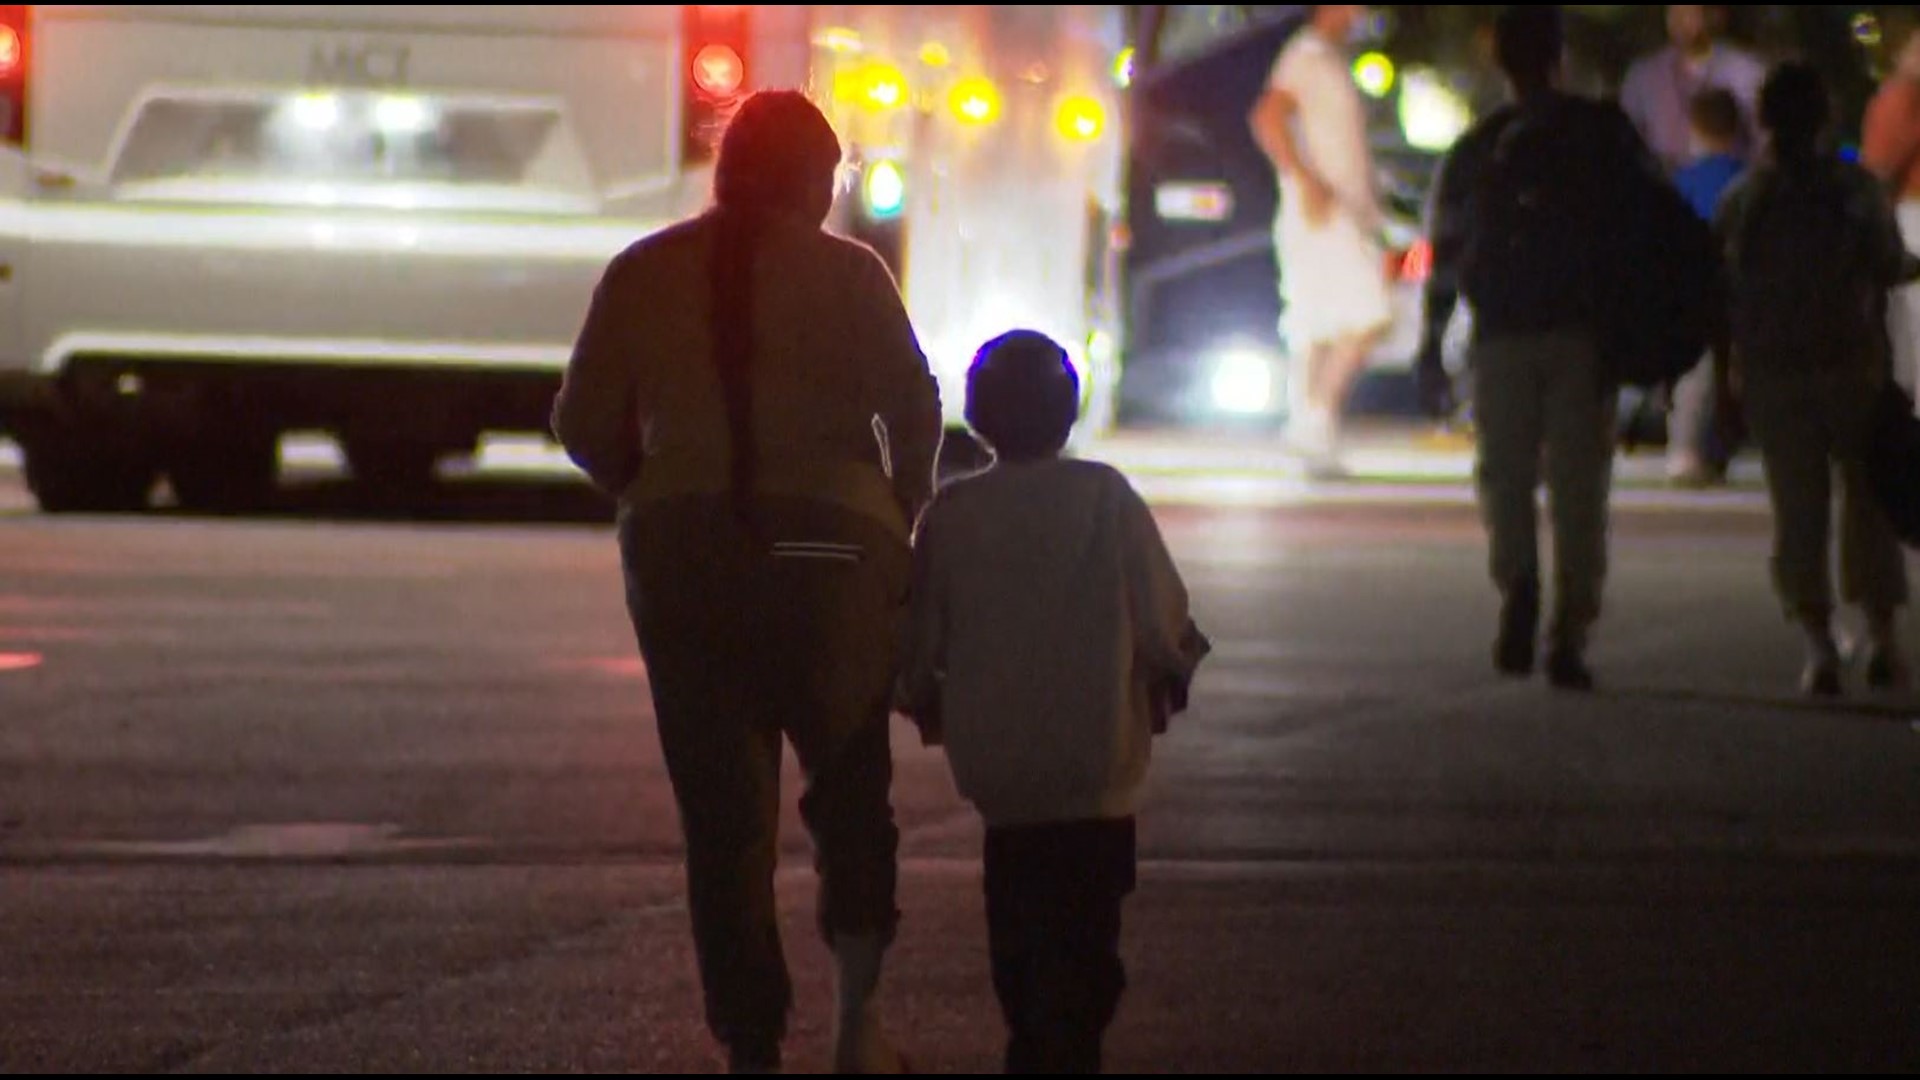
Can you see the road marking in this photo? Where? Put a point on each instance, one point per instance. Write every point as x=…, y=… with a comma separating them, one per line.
x=20, y=661
x=619, y=667
x=300, y=840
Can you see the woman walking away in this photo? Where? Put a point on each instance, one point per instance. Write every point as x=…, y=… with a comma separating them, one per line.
x=750, y=388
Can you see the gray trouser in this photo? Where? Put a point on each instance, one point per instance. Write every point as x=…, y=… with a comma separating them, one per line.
x=1540, y=395
x=1810, y=427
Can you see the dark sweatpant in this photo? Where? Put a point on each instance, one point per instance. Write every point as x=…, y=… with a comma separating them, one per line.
x=1054, y=894
x=788, y=629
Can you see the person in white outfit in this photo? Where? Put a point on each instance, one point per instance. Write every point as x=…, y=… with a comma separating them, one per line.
x=1333, y=270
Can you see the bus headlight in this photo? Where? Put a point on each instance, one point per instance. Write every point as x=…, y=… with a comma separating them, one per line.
x=399, y=115
x=1242, y=381
x=319, y=113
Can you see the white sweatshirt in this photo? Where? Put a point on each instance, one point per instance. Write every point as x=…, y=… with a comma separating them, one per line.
x=1047, y=614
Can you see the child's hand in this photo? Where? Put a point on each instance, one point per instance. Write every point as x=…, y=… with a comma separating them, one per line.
x=1162, y=699
x=927, y=723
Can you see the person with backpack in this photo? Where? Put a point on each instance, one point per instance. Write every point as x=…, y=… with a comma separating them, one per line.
x=1524, y=213
x=1812, y=249
x=749, y=386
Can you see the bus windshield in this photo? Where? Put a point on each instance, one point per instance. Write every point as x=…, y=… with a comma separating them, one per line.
x=353, y=149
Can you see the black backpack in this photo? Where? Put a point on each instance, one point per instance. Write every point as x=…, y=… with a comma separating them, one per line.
x=1529, y=264
x=1662, y=293
x=1574, y=229
x=1805, y=289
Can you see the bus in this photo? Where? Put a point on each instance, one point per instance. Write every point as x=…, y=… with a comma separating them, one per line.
x=221, y=224
x=988, y=145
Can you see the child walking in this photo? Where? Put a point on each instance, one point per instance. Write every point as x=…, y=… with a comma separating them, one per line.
x=1050, y=642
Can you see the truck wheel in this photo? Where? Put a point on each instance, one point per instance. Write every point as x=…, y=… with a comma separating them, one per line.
x=70, y=473
x=391, y=465
x=228, y=473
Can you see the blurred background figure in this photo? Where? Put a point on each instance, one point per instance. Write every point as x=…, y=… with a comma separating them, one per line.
x=1312, y=123
x=1659, y=89
x=1890, y=148
x=1698, y=451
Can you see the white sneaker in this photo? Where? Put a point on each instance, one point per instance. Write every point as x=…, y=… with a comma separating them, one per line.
x=1312, y=435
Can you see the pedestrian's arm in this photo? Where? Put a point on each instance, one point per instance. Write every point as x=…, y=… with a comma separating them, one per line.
x=1890, y=135
x=596, y=416
x=1726, y=230
x=1449, y=226
x=1168, y=646
x=1272, y=125
x=923, y=667
x=1892, y=263
x=1636, y=96
x=1166, y=641
x=908, y=394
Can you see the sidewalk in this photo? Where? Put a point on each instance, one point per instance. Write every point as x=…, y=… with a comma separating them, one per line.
x=1386, y=462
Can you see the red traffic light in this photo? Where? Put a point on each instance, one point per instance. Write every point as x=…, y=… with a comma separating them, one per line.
x=12, y=51
x=718, y=71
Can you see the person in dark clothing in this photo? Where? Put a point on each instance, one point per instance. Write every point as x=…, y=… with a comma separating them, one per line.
x=1522, y=258
x=1812, y=249
x=751, y=389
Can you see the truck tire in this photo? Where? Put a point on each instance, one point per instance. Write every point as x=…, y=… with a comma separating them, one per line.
x=69, y=473
x=227, y=473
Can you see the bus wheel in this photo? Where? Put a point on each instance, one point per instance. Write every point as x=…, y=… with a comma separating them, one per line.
x=72, y=473
x=229, y=473
x=390, y=465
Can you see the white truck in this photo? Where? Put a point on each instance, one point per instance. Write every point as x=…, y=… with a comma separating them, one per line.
x=221, y=224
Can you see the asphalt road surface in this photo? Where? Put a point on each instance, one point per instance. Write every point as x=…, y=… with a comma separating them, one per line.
x=335, y=790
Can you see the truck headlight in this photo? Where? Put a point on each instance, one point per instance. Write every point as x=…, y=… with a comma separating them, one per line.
x=1242, y=381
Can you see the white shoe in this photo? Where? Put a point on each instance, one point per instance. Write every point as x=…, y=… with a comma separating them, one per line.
x=1312, y=436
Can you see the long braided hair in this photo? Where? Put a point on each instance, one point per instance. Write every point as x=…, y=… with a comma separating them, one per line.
x=777, y=159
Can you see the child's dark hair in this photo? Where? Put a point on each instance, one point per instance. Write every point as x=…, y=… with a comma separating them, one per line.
x=1715, y=114
x=1023, y=396
x=1795, y=109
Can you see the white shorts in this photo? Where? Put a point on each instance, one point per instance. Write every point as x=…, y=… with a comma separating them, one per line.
x=1333, y=281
